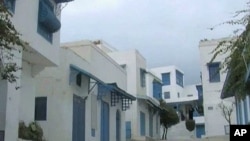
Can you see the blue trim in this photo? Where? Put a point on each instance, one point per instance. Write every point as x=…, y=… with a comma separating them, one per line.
x=62, y=1
x=83, y=72
x=104, y=86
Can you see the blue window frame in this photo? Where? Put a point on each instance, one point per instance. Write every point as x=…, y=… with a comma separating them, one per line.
x=41, y=108
x=157, y=91
x=142, y=124
x=165, y=78
x=143, y=77
x=166, y=95
x=214, y=72
x=179, y=78
x=47, y=20
x=10, y=4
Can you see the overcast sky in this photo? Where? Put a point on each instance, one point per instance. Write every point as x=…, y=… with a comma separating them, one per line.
x=165, y=32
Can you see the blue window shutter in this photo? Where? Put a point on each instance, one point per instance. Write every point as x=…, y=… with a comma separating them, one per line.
x=143, y=77
x=179, y=78
x=47, y=20
x=157, y=91
x=10, y=4
x=165, y=78
x=41, y=108
x=142, y=123
x=128, y=129
x=214, y=72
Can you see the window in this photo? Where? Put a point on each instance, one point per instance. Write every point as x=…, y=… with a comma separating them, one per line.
x=93, y=132
x=143, y=77
x=41, y=108
x=214, y=73
x=47, y=20
x=178, y=94
x=123, y=66
x=166, y=95
x=10, y=4
x=79, y=79
x=157, y=91
x=179, y=78
x=210, y=108
x=165, y=78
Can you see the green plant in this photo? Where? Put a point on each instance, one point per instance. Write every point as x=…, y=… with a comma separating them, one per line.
x=32, y=132
x=190, y=125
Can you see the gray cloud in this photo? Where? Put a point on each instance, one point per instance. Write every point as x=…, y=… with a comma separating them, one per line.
x=166, y=32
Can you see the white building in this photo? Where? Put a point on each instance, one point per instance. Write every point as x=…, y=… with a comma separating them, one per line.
x=182, y=98
x=85, y=96
x=212, y=83
x=142, y=119
x=38, y=22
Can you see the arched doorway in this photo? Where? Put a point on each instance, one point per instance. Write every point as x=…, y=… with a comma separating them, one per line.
x=118, y=125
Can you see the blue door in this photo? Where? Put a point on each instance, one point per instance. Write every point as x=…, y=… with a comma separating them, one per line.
x=105, y=121
x=150, y=124
x=200, y=130
x=142, y=123
x=128, y=129
x=78, y=119
x=118, y=126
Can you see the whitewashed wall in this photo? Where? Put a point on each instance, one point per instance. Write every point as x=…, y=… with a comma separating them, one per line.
x=54, y=83
x=173, y=88
x=214, y=125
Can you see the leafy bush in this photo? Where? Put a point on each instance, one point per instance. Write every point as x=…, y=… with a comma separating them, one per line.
x=31, y=132
x=190, y=125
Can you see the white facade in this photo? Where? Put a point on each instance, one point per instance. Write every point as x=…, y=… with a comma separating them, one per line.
x=214, y=125
x=135, y=64
x=177, y=93
x=18, y=104
x=182, y=98
x=58, y=84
